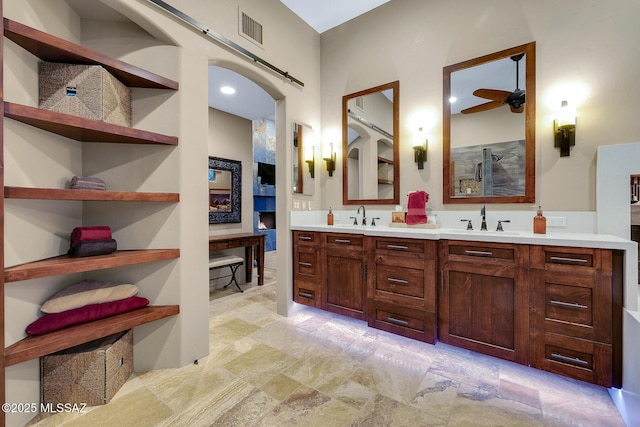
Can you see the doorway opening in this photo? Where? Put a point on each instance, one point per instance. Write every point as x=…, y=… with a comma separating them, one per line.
x=243, y=128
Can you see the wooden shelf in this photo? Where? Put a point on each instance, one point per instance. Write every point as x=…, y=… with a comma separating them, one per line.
x=87, y=195
x=68, y=265
x=82, y=129
x=383, y=160
x=33, y=347
x=385, y=181
x=54, y=49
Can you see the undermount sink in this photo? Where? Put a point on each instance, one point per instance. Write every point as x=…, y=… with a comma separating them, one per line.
x=353, y=227
x=483, y=233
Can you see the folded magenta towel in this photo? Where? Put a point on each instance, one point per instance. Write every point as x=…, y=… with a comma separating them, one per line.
x=90, y=233
x=417, y=208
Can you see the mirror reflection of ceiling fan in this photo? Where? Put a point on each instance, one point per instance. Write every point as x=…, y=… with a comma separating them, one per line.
x=515, y=100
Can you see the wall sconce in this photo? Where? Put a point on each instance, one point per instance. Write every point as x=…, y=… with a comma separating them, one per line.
x=420, y=148
x=564, y=128
x=330, y=158
x=310, y=161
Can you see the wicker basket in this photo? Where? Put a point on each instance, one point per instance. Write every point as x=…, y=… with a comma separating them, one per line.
x=87, y=91
x=91, y=373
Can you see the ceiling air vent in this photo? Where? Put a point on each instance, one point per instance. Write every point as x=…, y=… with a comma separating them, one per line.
x=250, y=28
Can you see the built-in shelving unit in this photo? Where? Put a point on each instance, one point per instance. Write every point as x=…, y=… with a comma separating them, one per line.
x=87, y=195
x=54, y=49
x=68, y=265
x=81, y=129
x=37, y=346
x=51, y=48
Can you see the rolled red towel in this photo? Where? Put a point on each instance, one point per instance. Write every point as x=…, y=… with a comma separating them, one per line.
x=90, y=233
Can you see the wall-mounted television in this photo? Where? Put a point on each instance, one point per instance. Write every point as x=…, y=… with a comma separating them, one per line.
x=267, y=173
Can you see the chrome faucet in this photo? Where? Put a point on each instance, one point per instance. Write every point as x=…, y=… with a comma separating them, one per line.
x=483, y=226
x=364, y=214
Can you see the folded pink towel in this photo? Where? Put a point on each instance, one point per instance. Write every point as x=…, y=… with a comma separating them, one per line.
x=417, y=208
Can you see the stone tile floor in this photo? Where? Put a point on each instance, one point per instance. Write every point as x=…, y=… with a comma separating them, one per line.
x=319, y=369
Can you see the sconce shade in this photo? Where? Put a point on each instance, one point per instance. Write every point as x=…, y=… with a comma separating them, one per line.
x=309, y=159
x=565, y=129
x=329, y=157
x=420, y=148
x=312, y=167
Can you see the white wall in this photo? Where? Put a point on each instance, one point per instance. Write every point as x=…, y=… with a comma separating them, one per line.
x=580, y=43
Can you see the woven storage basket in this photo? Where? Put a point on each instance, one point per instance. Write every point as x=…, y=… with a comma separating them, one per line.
x=91, y=373
x=87, y=91
x=385, y=171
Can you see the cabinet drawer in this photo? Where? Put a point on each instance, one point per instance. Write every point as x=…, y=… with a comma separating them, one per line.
x=500, y=253
x=584, y=360
x=406, y=281
x=400, y=280
x=578, y=305
x=306, y=263
x=579, y=260
x=401, y=320
x=346, y=241
x=406, y=247
x=306, y=238
x=307, y=293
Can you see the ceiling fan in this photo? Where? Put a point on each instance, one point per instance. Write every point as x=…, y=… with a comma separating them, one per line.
x=498, y=98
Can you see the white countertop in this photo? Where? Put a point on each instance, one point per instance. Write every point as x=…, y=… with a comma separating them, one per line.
x=603, y=241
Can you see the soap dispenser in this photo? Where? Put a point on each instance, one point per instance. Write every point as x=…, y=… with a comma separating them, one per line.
x=330, y=217
x=539, y=222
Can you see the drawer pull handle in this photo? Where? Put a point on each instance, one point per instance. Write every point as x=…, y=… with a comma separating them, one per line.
x=394, y=280
x=470, y=252
x=305, y=264
x=568, y=304
x=397, y=247
x=401, y=322
x=305, y=237
x=561, y=258
x=569, y=359
x=305, y=294
x=343, y=241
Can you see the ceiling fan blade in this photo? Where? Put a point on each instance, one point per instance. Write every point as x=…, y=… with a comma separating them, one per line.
x=483, y=107
x=492, y=94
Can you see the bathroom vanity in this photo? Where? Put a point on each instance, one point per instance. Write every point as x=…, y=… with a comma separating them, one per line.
x=553, y=302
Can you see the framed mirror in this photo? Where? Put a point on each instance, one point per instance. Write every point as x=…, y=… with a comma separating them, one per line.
x=303, y=159
x=225, y=190
x=370, y=154
x=489, y=114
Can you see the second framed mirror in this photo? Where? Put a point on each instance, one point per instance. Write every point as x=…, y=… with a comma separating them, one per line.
x=370, y=155
x=489, y=114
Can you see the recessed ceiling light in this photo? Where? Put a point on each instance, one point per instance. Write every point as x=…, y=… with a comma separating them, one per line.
x=228, y=90
x=453, y=99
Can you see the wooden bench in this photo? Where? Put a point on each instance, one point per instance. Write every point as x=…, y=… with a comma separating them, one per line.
x=231, y=261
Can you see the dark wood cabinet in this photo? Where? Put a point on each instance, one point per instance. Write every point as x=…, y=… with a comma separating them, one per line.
x=402, y=294
x=307, y=269
x=555, y=308
x=574, y=309
x=483, y=298
x=53, y=49
x=345, y=265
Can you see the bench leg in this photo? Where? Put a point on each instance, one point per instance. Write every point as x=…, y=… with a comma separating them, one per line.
x=234, y=268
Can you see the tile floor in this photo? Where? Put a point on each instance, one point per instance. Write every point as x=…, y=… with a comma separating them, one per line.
x=319, y=369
